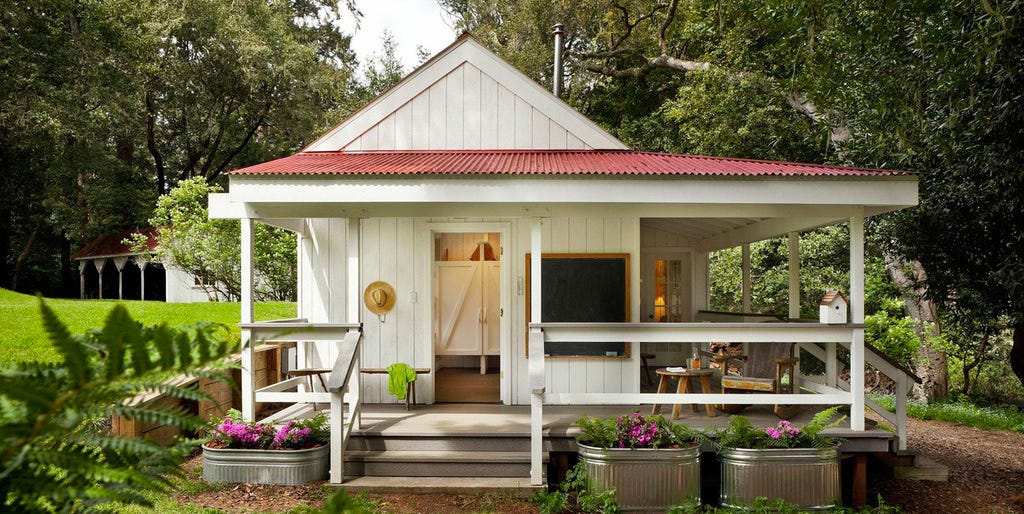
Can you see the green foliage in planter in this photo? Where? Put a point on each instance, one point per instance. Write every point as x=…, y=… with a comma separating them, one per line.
x=742, y=434
x=54, y=455
x=576, y=494
x=635, y=430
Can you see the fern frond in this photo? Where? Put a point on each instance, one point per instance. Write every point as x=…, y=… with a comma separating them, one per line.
x=75, y=356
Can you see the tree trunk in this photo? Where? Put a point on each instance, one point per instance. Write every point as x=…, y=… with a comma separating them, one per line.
x=931, y=363
x=25, y=252
x=5, y=245
x=69, y=283
x=1017, y=351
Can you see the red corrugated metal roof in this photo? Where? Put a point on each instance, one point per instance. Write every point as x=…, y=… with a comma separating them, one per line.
x=111, y=244
x=538, y=162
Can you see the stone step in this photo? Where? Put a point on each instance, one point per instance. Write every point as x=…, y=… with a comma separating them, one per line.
x=517, y=487
x=923, y=469
x=407, y=463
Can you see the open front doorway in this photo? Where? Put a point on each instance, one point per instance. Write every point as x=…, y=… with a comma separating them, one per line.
x=466, y=321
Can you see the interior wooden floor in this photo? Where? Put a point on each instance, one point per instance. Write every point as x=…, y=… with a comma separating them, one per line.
x=466, y=385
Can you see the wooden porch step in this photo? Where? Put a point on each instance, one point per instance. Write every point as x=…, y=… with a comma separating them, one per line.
x=441, y=442
x=408, y=463
x=517, y=487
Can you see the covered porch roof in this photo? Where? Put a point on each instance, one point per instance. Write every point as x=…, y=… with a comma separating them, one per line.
x=715, y=202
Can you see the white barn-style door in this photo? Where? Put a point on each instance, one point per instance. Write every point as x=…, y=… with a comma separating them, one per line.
x=457, y=325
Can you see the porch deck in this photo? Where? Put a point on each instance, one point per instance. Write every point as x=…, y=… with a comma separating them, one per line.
x=492, y=420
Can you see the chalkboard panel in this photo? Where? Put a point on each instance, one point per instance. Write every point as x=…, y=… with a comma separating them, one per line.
x=583, y=288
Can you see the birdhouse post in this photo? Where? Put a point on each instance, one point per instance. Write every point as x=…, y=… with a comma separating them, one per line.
x=833, y=308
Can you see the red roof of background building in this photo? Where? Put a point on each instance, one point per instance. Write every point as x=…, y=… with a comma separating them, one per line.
x=539, y=162
x=111, y=244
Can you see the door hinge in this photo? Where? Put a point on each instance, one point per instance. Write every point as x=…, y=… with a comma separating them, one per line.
x=501, y=313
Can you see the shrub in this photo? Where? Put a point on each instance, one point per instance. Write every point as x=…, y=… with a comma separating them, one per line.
x=54, y=457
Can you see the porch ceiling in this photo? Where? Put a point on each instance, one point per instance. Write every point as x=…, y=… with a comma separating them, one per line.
x=698, y=229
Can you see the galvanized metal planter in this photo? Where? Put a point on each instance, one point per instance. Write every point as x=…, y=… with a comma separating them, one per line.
x=805, y=477
x=645, y=479
x=285, y=467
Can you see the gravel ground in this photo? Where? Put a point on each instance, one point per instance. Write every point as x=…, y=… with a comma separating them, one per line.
x=986, y=470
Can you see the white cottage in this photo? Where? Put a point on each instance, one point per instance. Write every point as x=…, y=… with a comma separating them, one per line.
x=461, y=182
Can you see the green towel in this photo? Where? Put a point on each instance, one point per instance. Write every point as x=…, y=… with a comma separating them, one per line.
x=399, y=376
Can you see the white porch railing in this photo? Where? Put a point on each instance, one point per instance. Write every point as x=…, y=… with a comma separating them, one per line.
x=877, y=360
x=802, y=333
x=342, y=384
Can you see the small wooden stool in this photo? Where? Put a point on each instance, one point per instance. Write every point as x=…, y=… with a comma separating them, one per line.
x=684, y=387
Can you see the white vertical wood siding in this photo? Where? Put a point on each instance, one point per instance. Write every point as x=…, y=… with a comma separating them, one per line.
x=466, y=110
x=389, y=251
x=322, y=282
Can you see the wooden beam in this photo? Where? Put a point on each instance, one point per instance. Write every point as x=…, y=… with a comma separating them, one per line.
x=764, y=230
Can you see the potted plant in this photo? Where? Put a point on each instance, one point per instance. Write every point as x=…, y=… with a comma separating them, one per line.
x=650, y=462
x=800, y=466
x=259, y=453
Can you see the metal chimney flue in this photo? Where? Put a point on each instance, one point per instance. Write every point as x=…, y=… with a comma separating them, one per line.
x=559, y=31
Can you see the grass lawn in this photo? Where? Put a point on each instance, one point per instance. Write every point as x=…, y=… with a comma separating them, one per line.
x=21, y=329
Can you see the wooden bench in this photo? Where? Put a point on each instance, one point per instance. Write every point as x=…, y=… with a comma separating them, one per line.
x=410, y=388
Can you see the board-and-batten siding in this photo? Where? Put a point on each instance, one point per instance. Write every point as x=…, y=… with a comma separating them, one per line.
x=466, y=110
x=322, y=271
x=389, y=251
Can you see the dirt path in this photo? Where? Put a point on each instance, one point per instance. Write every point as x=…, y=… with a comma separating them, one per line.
x=986, y=471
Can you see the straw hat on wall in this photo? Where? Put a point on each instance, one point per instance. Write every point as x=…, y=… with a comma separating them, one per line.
x=379, y=298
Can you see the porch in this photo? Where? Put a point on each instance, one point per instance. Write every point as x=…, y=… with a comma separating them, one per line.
x=455, y=448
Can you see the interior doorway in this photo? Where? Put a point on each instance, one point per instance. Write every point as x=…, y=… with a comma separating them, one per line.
x=666, y=297
x=467, y=328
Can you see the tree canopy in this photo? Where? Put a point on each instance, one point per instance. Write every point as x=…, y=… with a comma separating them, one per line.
x=105, y=105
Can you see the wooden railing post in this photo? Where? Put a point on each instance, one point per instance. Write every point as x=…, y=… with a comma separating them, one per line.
x=902, y=386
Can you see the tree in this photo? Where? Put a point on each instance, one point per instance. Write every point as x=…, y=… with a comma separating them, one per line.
x=105, y=104
x=208, y=248
x=228, y=75
x=53, y=456
x=935, y=88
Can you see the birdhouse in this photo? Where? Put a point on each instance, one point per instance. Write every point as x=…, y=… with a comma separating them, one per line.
x=833, y=307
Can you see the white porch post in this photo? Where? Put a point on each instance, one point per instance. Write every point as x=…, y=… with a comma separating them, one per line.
x=745, y=267
x=536, y=362
x=247, y=316
x=99, y=276
x=857, y=315
x=337, y=414
x=794, y=275
x=794, y=299
x=142, y=279
x=81, y=279
x=120, y=263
